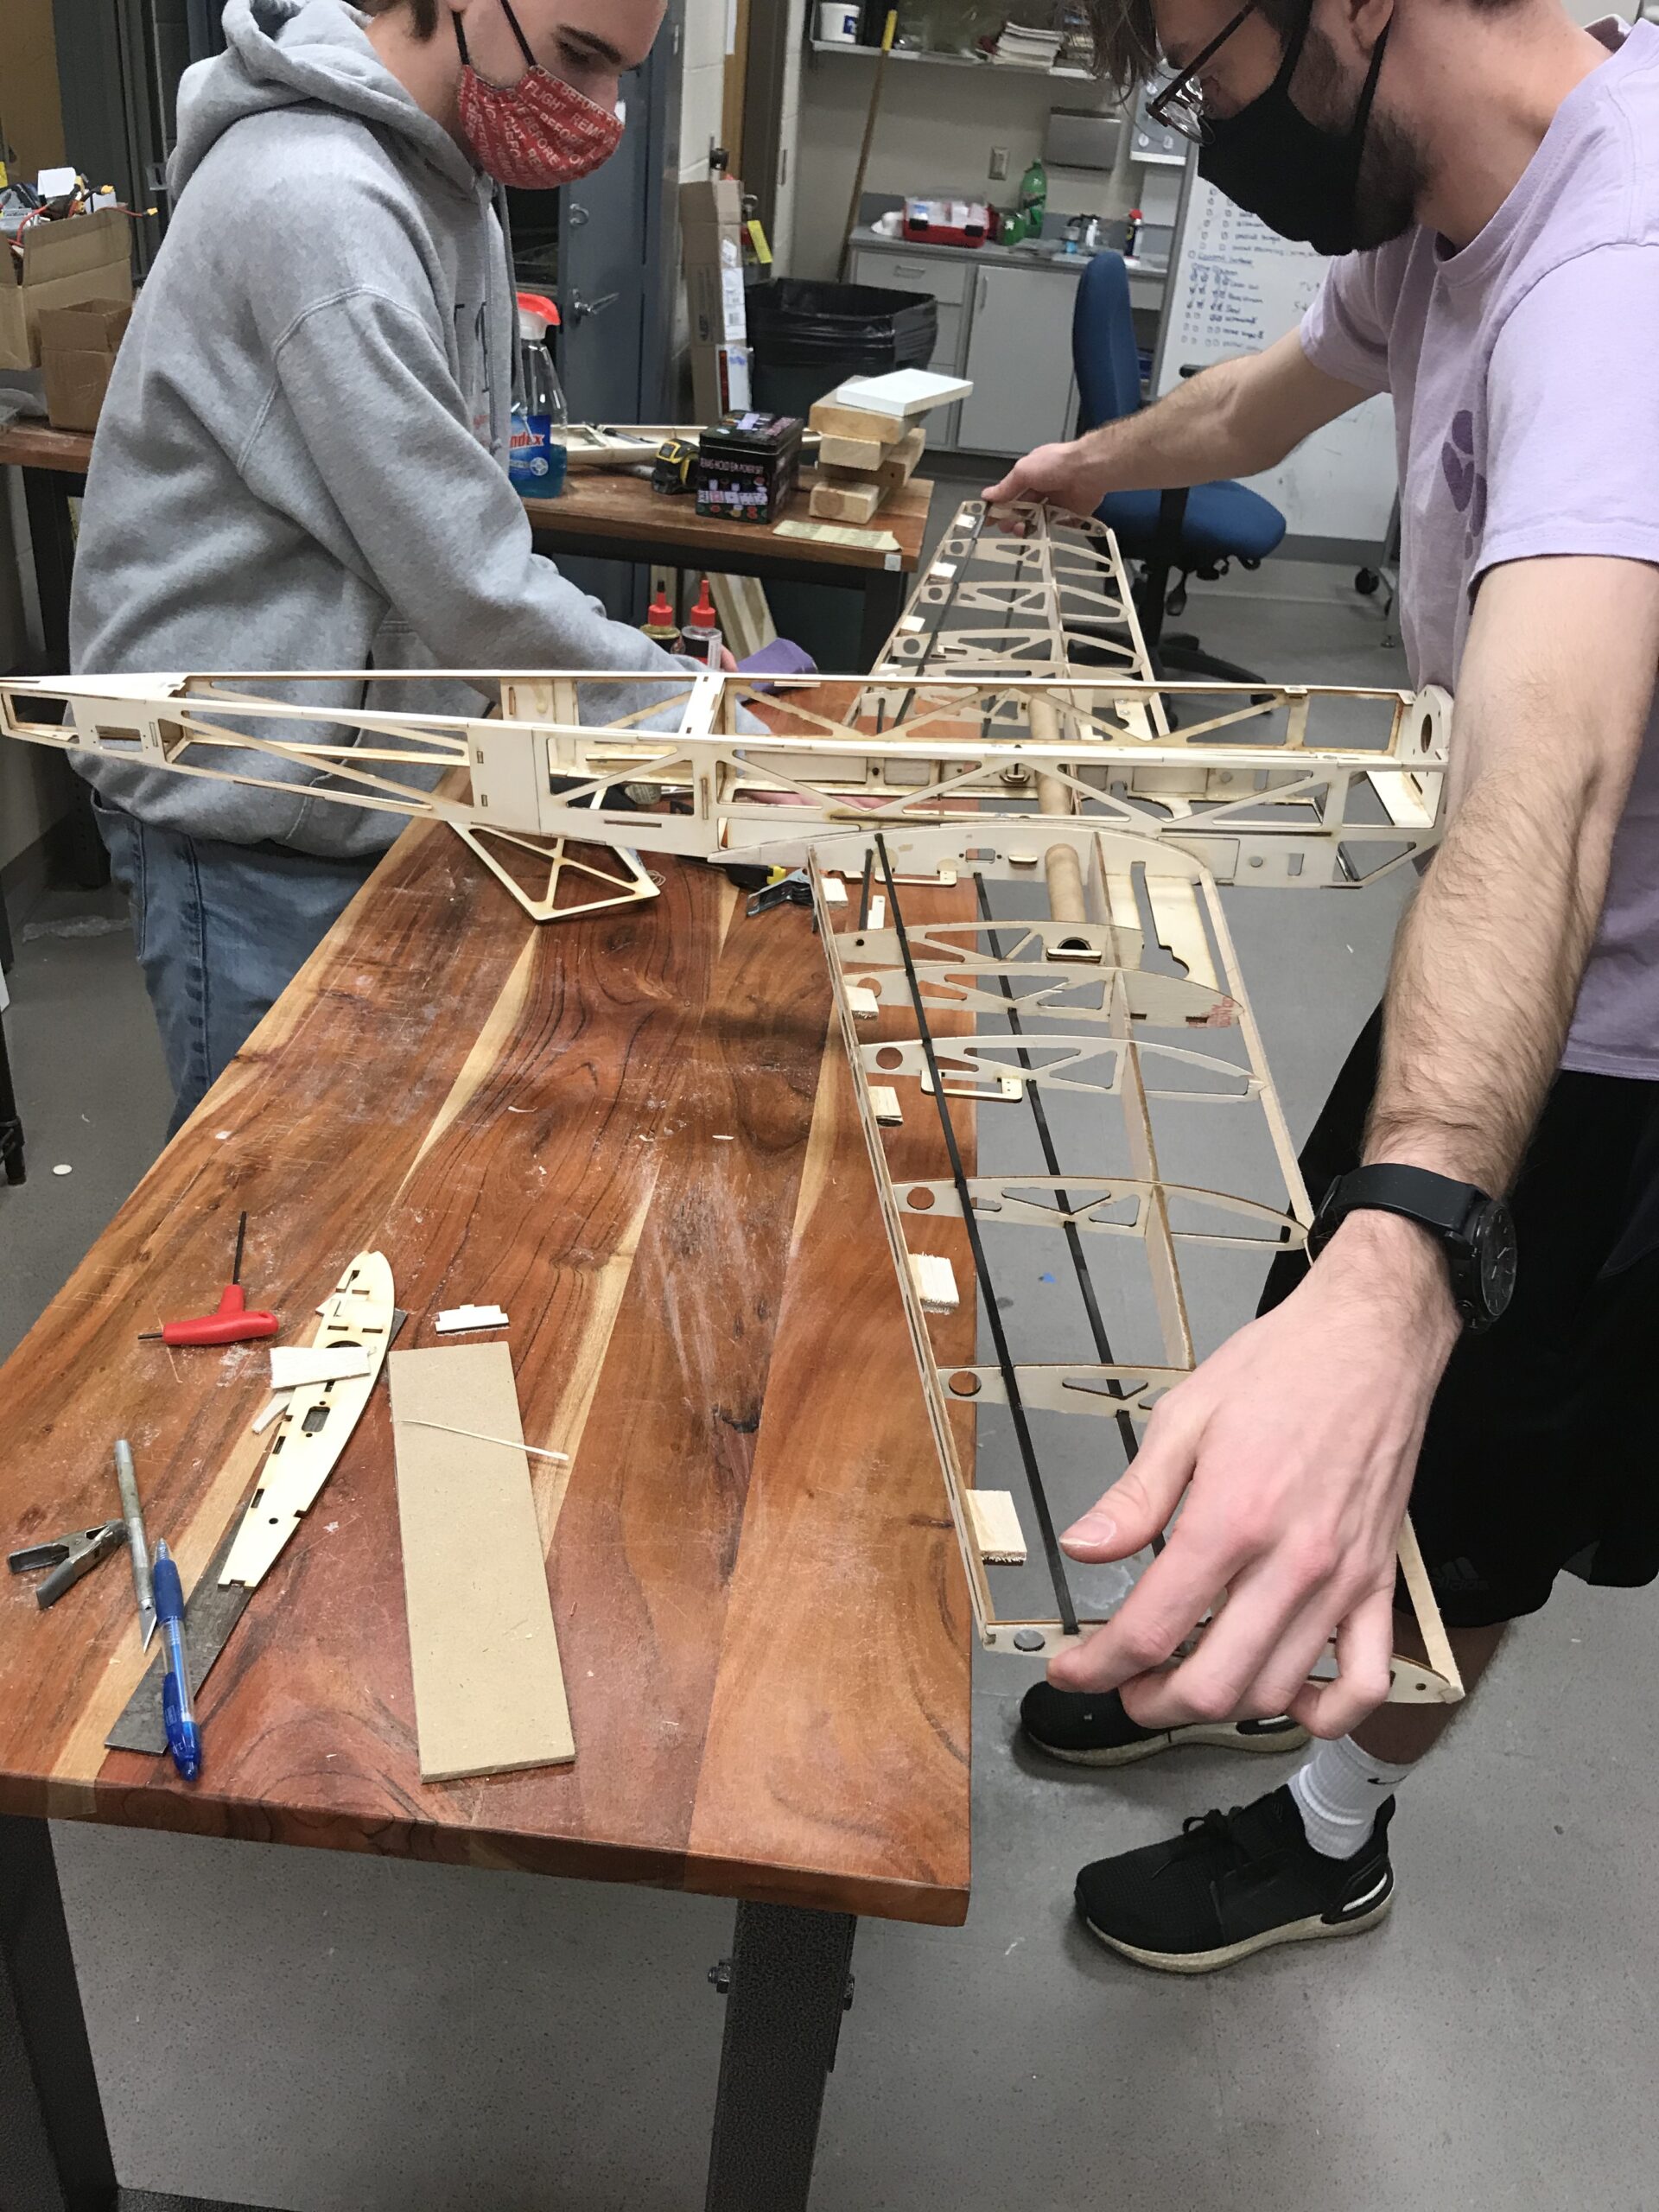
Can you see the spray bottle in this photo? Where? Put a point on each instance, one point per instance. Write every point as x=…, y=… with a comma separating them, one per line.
x=537, y=461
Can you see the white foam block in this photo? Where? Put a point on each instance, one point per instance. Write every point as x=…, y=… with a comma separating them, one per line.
x=294, y=1366
x=459, y=1319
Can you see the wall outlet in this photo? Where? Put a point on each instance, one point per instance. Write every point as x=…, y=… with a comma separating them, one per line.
x=998, y=165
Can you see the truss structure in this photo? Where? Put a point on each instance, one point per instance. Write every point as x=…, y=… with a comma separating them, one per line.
x=1012, y=733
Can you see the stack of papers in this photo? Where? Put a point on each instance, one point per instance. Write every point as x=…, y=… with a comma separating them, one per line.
x=1024, y=47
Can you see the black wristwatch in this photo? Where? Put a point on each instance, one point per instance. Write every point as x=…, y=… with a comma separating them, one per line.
x=1478, y=1232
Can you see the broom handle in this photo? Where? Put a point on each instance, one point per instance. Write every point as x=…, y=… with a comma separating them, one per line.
x=887, y=37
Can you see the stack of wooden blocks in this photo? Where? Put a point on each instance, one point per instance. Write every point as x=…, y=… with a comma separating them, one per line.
x=873, y=440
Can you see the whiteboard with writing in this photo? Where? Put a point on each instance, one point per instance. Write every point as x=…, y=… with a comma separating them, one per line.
x=1235, y=286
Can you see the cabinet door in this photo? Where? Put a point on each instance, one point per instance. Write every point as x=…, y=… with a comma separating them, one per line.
x=1020, y=359
x=947, y=282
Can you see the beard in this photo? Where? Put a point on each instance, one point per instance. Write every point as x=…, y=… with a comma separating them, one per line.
x=1393, y=166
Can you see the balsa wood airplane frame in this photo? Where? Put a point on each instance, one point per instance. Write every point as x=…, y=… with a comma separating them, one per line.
x=1013, y=731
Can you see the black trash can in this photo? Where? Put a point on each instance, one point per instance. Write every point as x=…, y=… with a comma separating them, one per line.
x=807, y=338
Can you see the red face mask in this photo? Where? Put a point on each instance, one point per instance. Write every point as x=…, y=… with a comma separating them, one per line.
x=535, y=135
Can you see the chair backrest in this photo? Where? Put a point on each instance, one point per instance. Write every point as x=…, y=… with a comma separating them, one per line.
x=1104, y=346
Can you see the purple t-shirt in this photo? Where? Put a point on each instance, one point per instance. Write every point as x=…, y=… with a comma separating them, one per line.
x=1525, y=377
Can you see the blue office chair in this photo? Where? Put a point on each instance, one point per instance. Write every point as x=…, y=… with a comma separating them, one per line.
x=1186, y=533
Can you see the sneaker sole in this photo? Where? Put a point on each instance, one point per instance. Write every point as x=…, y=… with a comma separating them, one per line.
x=1220, y=1735
x=1293, y=1931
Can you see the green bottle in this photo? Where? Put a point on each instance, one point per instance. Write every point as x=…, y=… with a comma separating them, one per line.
x=1033, y=198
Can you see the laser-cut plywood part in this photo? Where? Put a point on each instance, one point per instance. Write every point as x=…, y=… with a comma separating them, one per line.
x=318, y=1423
x=1014, y=986
x=1013, y=733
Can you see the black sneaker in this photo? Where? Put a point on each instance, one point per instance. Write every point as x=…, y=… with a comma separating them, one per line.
x=1085, y=1729
x=1232, y=1884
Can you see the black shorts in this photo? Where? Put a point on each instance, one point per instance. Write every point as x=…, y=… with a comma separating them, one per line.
x=1543, y=1447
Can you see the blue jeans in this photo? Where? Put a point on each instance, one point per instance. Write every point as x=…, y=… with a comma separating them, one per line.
x=221, y=931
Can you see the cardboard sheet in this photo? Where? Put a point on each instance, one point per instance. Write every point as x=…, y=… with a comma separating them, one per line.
x=489, y=1690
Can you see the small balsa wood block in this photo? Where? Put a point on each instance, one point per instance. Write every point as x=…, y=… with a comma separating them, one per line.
x=830, y=420
x=854, y=503
x=996, y=1527
x=884, y=1104
x=835, y=891
x=318, y=1423
x=878, y=912
x=863, y=1001
x=294, y=1366
x=935, y=1282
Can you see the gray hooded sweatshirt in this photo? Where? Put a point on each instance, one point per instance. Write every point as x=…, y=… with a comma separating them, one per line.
x=299, y=463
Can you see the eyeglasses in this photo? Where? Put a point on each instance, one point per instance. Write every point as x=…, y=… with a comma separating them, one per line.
x=1179, y=106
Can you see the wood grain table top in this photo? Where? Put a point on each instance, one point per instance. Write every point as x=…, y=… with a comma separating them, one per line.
x=602, y=503
x=32, y=445
x=638, y=1134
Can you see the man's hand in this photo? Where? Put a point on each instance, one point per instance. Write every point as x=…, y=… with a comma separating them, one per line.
x=1233, y=420
x=1294, y=1447
x=1067, y=476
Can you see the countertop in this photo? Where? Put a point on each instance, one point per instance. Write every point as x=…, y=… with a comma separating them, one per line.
x=865, y=240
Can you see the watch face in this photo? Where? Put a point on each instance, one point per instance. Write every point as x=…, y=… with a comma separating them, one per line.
x=1495, y=1257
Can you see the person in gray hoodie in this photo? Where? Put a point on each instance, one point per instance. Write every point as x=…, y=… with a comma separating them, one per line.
x=302, y=458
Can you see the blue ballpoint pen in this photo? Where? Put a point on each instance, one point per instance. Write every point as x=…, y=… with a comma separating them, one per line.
x=178, y=1715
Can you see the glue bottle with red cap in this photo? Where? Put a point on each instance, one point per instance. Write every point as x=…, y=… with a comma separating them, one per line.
x=538, y=459
x=701, y=639
x=662, y=625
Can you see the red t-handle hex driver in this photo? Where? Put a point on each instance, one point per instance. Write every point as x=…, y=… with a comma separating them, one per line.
x=234, y=1322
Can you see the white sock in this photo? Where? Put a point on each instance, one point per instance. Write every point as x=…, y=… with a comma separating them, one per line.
x=1338, y=1794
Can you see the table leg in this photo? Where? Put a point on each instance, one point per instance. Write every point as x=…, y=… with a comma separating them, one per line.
x=55, y=2153
x=883, y=602
x=788, y=1984
x=11, y=1128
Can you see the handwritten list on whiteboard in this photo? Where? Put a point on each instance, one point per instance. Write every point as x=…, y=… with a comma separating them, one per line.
x=1236, y=287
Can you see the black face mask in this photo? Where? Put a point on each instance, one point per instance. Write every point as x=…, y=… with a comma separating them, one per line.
x=1271, y=160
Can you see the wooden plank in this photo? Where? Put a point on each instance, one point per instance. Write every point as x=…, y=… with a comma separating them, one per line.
x=860, y=456
x=854, y=503
x=889, y=469
x=831, y=421
x=489, y=1692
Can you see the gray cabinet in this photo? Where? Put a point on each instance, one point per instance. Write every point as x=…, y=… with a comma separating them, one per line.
x=1020, y=359
x=948, y=280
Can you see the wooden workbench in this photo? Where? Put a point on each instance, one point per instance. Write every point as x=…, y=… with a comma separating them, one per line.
x=613, y=515
x=638, y=1134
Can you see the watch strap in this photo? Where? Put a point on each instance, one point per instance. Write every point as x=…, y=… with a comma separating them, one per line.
x=1435, y=1203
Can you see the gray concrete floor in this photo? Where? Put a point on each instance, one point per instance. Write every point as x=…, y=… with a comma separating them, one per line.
x=355, y=2036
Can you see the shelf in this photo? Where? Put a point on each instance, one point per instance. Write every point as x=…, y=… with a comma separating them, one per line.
x=1160, y=160
x=953, y=61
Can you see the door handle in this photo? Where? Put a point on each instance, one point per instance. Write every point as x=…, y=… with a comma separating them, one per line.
x=580, y=309
x=980, y=283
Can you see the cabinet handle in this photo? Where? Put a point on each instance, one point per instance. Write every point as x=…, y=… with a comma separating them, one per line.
x=980, y=283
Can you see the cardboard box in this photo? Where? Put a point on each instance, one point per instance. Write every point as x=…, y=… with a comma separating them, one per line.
x=87, y=258
x=77, y=349
x=711, y=235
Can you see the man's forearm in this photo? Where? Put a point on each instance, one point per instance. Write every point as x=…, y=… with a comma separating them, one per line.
x=1488, y=965
x=1202, y=429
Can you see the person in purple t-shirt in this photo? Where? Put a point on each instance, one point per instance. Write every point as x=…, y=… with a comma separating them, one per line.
x=1487, y=172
